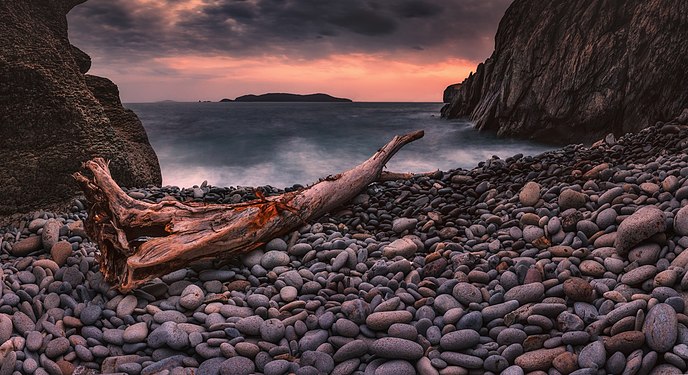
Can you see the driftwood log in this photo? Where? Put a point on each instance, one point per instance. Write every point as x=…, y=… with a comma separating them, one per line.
x=140, y=241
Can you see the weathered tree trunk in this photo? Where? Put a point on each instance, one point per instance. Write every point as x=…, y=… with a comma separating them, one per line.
x=140, y=241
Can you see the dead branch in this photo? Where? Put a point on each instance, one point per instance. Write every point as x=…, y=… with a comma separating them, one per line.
x=140, y=241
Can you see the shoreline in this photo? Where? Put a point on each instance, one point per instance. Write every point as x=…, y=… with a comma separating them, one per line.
x=470, y=272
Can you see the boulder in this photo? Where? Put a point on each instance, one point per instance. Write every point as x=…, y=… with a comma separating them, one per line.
x=574, y=71
x=53, y=117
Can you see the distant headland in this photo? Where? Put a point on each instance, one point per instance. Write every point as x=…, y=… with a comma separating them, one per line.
x=283, y=97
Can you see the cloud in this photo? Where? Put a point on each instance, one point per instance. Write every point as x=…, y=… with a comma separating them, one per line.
x=130, y=30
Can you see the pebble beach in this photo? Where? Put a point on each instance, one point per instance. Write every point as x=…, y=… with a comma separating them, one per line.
x=569, y=262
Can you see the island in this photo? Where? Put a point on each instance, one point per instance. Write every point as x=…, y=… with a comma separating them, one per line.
x=283, y=97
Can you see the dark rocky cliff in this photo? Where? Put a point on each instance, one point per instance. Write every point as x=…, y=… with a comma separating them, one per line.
x=573, y=71
x=53, y=116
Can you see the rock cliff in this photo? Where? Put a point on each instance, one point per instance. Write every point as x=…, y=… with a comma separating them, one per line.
x=53, y=116
x=573, y=71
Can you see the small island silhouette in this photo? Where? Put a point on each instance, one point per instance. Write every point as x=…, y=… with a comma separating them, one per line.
x=284, y=97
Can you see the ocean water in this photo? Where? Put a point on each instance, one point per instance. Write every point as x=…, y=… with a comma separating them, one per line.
x=282, y=144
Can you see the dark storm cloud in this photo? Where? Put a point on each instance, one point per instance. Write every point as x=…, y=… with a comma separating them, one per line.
x=142, y=29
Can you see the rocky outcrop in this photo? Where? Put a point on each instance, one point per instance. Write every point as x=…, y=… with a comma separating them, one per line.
x=573, y=71
x=53, y=116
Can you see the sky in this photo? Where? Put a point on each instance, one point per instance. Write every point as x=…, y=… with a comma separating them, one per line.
x=365, y=50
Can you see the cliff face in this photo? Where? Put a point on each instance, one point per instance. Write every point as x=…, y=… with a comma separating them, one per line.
x=53, y=116
x=573, y=71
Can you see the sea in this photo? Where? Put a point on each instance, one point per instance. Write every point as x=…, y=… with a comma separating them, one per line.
x=283, y=144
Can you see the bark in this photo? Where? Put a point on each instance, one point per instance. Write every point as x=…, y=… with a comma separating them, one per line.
x=140, y=241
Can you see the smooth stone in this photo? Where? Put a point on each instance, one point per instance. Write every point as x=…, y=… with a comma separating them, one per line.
x=401, y=224
x=126, y=306
x=529, y=194
x=22, y=323
x=625, y=342
x=135, y=333
x=34, y=341
x=661, y=327
x=639, y=275
x=681, y=221
x=320, y=360
x=5, y=327
x=540, y=359
x=404, y=247
x=593, y=355
x=570, y=198
x=60, y=252
x=380, y=321
x=579, y=289
x=272, y=259
x=250, y=325
x=27, y=246
x=210, y=367
x=192, y=297
x=606, y=218
x=460, y=340
x=276, y=244
x=272, y=330
x=395, y=367
x=396, y=348
x=313, y=339
x=638, y=227
x=57, y=347
x=253, y=258
x=237, y=366
x=463, y=360
x=533, y=292
x=353, y=349
x=161, y=317
x=91, y=314
x=51, y=233
x=510, y=336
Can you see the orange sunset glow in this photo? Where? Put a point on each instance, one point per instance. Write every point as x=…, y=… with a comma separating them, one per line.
x=365, y=50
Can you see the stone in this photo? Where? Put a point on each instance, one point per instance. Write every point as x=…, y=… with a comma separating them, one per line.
x=404, y=247
x=27, y=246
x=90, y=314
x=533, y=292
x=395, y=367
x=380, y=321
x=396, y=348
x=5, y=328
x=401, y=224
x=460, y=340
x=192, y=297
x=578, y=289
x=60, y=252
x=625, y=342
x=51, y=233
x=276, y=244
x=135, y=333
x=22, y=323
x=272, y=259
x=237, y=366
x=661, y=328
x=57, y=347
x=593, y=355
x=503, y=98
x=540, y=359
x=638, y=227
x=530, y=194
x=638, y=275
x=570, y=198
x=35, y=46
x=681, y=221
x=127, y=306
x=272, y=330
